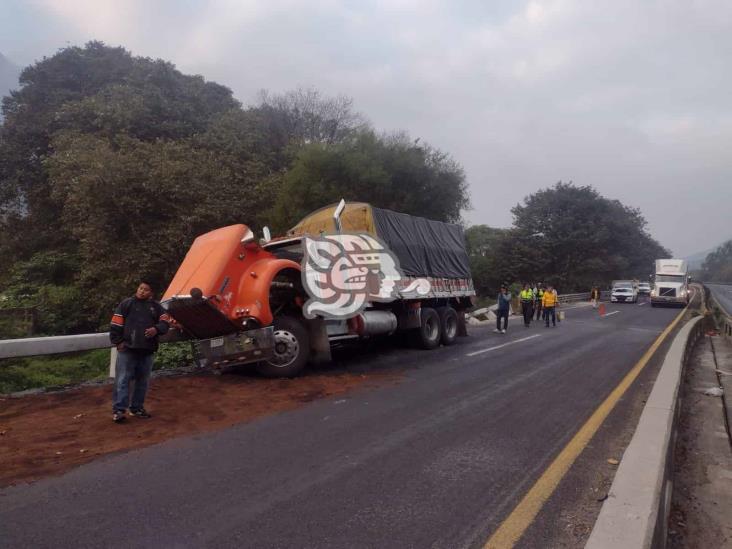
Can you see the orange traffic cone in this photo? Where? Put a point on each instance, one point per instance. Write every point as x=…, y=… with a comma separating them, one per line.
x=602, y=309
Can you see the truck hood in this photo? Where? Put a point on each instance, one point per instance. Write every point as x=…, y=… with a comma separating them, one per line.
x=205, y=264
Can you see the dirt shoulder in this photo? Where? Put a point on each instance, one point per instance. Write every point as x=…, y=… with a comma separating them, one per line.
x=48, y=434
x=702, y=495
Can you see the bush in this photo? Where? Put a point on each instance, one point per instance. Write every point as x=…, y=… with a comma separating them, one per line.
x=173, y=355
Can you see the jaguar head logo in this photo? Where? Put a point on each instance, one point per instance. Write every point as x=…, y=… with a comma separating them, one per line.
x=343, y=273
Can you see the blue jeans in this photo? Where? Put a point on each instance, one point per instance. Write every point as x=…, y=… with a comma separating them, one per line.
x=549, y=312
x=131, y=366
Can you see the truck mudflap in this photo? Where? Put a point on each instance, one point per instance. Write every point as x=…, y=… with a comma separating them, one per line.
x=238, y=348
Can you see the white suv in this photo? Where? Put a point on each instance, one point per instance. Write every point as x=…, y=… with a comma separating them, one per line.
x=624, y=292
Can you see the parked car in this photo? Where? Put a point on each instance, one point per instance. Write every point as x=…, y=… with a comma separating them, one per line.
x=623, y=292
x=644, y=288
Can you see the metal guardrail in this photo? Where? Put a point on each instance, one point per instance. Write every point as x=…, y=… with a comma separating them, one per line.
x=37, y=346
x=572, y=298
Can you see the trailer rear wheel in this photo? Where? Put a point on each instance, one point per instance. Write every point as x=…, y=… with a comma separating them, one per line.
x=448, y=324
x=427, y=336
x=292, y=349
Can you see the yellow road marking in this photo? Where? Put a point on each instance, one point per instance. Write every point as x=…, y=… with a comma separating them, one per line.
x=511, y=529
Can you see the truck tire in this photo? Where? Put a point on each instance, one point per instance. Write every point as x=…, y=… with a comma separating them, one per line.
x=428, y=335
x=292, y=349
x=448, y=325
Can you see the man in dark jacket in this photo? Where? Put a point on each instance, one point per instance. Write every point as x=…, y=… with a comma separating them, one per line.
x=135, y=327
x=504, y=305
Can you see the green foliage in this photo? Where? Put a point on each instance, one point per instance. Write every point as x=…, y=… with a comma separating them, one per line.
x=95, y=90
x=150, y=200
x=578, y=238
x=568, y=236
x=46, y=283
x=489, y=253
x=19, y=374
x=393, y=173
x=717, y=266
x=110, y=166
x=173, y=355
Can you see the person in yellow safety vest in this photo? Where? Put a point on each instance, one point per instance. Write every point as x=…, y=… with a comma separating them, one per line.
x=538, y=295
x=550, y=302
x=527, y=304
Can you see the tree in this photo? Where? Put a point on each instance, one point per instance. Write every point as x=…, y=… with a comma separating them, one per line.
x=580, y=238
x=91, y=90
x=150, y=200
x=489, y=250
x=305, y=116
x=388, y=172
x=717, y=266
x=110, y=166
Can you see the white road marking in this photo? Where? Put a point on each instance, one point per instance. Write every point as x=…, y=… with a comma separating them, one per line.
x=644, y=330
x=641, y=304
x=612, y=313
x=503, y=345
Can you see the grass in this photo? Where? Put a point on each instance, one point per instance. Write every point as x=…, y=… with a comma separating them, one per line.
x=19, y=374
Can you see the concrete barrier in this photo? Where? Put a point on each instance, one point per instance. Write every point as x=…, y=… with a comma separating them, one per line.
x=635, y=514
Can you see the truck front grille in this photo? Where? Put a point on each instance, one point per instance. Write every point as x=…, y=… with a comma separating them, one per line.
x=667, y=292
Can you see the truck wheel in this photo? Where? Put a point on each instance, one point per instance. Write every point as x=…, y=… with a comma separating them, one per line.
x=427, y=336
x=292, y=349
x=448, y=324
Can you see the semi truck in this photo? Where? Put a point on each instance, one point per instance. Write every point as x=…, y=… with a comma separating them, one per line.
x=670, y=283
x=240, y=299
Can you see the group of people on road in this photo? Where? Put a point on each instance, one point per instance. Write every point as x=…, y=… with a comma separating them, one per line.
x=534, y=299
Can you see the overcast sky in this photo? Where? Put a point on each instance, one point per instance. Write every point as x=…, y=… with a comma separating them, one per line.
x=633, y=97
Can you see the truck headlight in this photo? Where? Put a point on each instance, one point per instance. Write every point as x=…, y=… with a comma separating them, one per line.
x=653, y=292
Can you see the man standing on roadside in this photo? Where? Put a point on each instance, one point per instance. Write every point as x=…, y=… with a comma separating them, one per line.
x=549, y=303
x=136, y=324
x=504, y=305
x=527, y=301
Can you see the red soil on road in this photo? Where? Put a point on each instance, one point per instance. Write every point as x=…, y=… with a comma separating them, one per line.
x=48, y=434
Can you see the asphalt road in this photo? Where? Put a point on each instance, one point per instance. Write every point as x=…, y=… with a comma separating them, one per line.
x=437, y=459
x=723, y=294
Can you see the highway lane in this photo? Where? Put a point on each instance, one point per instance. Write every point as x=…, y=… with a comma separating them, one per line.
x=438, y=459
x=723, y=295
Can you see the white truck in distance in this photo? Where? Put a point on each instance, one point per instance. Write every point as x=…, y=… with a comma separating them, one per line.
x=670, y=283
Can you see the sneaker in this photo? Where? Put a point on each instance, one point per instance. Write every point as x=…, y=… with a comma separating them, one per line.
x=497, y=331
x=503, y=331
x=140, y=413
x=119, y=417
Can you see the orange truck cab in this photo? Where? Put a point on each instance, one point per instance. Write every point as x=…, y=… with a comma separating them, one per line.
x=239, y=300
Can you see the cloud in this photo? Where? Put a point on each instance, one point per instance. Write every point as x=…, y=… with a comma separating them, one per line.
x=628, y=96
